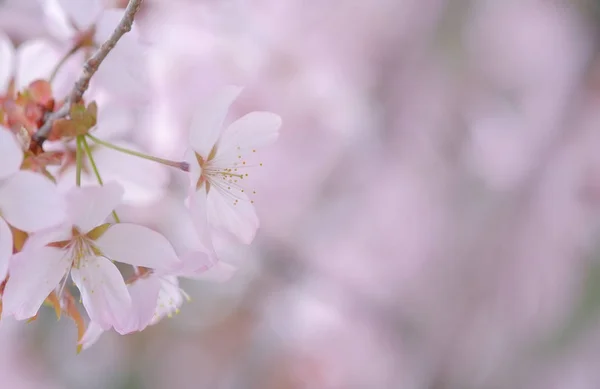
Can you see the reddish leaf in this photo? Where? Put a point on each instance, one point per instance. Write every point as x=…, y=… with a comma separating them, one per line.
x=40, y=92
x=71, y=310
x=53, y=301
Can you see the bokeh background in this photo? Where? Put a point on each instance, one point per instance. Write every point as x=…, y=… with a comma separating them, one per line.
x=429, y=215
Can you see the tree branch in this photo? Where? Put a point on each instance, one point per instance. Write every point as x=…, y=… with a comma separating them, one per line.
x=89, y=69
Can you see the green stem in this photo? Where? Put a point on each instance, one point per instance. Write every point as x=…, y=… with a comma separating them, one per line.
x=88, y=152
x=179, y=165
x=78, y=162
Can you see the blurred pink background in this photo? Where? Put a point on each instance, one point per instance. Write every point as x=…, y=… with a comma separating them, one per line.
x=429, y=215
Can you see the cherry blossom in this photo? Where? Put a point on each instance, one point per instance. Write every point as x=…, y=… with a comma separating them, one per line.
x=153, y=298
x=33, y=60
x=75, y=130
x=200, y=259
x=28, y=201
x=87, y=24
x=84, y=248
x=219, y=203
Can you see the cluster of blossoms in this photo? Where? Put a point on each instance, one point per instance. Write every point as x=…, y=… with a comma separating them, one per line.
x=62, y=242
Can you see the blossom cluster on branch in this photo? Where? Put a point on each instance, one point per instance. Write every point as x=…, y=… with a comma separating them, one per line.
x=62, y=243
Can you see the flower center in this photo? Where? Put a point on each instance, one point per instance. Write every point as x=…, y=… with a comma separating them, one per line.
x=223, y=176
x=81, y=246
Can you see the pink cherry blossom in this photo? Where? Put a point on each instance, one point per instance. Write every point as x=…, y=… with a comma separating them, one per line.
x=85, y=247
x=200, y=259
x=153, y=297
x=218, y=166
x=28, y=201
x=71, y=20
x=32, y=60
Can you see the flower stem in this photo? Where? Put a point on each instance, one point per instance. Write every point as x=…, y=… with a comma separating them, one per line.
x=78, y=162
x=179, y=165
x=88, y=152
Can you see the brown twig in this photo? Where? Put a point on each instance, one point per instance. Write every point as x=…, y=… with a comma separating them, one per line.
x=89, y=69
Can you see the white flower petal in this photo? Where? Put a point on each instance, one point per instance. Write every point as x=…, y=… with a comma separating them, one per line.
x=239, y=220
x=35, y=60
x=82, y=13
x=89, y=206
x=175, y=223
x=144, y=182
x=219, y=272
x=208, y=120
x=91, y=335
x=123, y=72
x=251, y=131
x=144, y=294
x=138, y=246
x=31, y=202
x=57, y=20
x=170, y=298
x=7, y=61
x=56, y=234
x=117, y=119
x=200, y=220
x=103, y=293
x=11, y=155
x=194, y=263
x=34, y=273
x=6, y=248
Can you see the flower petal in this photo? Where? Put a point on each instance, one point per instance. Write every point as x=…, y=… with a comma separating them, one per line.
x=138, y=246
x=34, y=273
x=57, y=20
x=91, y=336
x=35, y=60
x=249, y=132
x=103, y=293
x=6, y=248
x=122, y=72
x=117, y=119
x=7, y=61
x=89, y=206
x=31, y=202
x=208, y=120
x=144, y=294
x=233, y=217
x=219, y=272
x=170, y=298
x=194, y=263
x=143, y=181
x=175, y=223
x=82, y=13
x=11, y=155
x=199, y=214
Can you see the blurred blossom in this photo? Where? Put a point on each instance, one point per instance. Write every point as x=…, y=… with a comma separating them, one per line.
x=529, y=58
x=428, y=215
